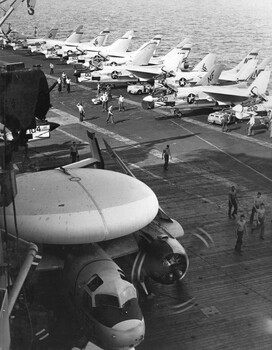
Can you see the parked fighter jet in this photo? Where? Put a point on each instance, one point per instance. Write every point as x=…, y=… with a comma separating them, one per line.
x=70, y=50
x=261, y=106
x=120, y=58
x=175, y=59
x=182, y=98
x=120, y=74
x=181, y=79
x=18, y=41
x=54, y=44
x=86, y=52
x=235, y=95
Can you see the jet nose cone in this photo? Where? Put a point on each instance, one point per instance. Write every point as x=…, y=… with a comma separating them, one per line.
x=148, y=104
x=148, y=98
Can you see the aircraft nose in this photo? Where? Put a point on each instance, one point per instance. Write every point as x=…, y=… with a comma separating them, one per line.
x=148, y=102
x=148, y=98
x=132, y=331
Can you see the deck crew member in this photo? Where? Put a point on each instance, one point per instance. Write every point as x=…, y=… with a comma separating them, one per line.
x=51, y=68
x=74, y=152
x=121, y=103
x=260, y=220
x=241, y=229
x=256, y=205
x=110, y=115
x=68, y=84
x=233, y=202
x=251, y=124
x=166, y=154
x=81, y=111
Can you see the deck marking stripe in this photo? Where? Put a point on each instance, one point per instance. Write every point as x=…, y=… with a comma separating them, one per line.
x=219, y=149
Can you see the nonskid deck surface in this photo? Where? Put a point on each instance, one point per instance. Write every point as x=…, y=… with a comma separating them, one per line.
x=232, y=294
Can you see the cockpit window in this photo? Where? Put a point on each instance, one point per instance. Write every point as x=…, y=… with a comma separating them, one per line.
x=95, y=282
x=122, y=275
x=106, y=300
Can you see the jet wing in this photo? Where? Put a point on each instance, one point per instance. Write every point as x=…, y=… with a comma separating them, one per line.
x=148, y=72
x=227, y=95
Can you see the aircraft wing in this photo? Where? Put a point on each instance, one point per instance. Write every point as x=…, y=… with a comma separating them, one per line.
x=148, y=72
x=226, y=95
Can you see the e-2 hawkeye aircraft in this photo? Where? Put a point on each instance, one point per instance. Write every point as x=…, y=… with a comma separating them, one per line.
x=76, y=208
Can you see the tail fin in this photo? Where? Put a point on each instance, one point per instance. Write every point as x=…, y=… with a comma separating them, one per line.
x=121, y=44
x=212, y=76
x=261, y=67
x=259, y=85
x=157, y=39
x=51, y=34
x=206, y=63
x=251, y=55
x=95, y=149
x=174, y=59
x=76, y=36
x=183, y=48
x=247, y=70
x=143, y=54
x=101, y=38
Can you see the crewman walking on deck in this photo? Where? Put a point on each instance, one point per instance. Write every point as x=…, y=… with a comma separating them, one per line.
x=251, y=124
x=63, y=78
x=81, y=111
x=241, y=229
x=74, y=152
x=104, y=100
x=121, y=103
x=233, y=202
x=110, y=116
x=166, y=154
x=68, y=84
x=260, y=219
x=51, y=68
x=59, y=84
x=256, y=205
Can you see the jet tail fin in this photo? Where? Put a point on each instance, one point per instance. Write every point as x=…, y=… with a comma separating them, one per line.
x=251, y=55
x=182, y=50
x=247, y=70
x=76, y=36
x=51, y=34
x=144, y=54
x=157, y=39
x=121, y=44
x=212, y=76
x=101, y=38
x=262, y=66
x=259, y=85
x=206, y=63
